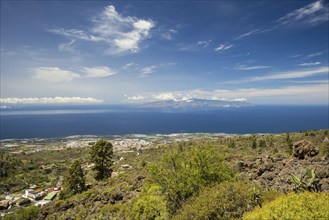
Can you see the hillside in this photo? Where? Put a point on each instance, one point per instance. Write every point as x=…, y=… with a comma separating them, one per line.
x=169, y=176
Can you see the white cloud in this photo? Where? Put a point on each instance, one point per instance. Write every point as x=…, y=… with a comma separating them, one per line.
x=309, y=64
x=291, y=75
x=243, y=67
x=314, y=54
x=168, y=34
x=223, y=47
x=248, y=34
x=164, y=96
x=98, y=72
x=312, y=93
x=49, y=100
x=137, y=97
x=128, y=66
x=147, y=70
x=54, y=74
x=197, y=46
x=120, y=33
x=67, y=46
x=204, y=43
x=312, y=14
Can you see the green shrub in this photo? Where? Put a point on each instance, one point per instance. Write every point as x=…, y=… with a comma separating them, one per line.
x=262, y=143
x=181, y=173
x=111, y=211
x=306, y=182
x=224, y=201
x=149, y=207
x=324, y=149
x=29, y=213
x=306, y=205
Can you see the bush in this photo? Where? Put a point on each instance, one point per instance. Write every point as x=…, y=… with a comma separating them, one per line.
x=28, y=213
x=224, y=201
x=149, y=207
x=324, y=149
x=305, y=205
x=181, y=173
x=111, y=211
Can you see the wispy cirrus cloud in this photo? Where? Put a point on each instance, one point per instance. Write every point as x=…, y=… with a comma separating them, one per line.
x=129, y=66
x=244, y=67
x=222, y=47
x=255, y=31
x=295, y=74
x=291, y=75
x=309, y=64
x=311, y=14
x=147, y=70
x=67, y=46
x=54, y=74
x=196, y=46
x=204, y=43
x=168, y=34
x=51, y=100
x=98, y=71
x=314, y=54
x=121, y=34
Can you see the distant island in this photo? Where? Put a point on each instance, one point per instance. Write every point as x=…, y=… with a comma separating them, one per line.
x=195, y=104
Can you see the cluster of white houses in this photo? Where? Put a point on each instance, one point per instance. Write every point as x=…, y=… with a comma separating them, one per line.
x=38, y=198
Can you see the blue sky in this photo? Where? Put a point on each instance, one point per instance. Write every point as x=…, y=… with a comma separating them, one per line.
x=265, y=52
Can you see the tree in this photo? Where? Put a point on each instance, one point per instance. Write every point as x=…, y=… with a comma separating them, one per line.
x=101, y=155
x=180, y=174
x=76, y=179
x=254, y=142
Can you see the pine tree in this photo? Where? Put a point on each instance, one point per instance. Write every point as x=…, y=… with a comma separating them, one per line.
x=101, y=155
x=76, y=178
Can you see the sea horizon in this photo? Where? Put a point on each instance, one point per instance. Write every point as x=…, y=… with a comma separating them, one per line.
x=102, y=120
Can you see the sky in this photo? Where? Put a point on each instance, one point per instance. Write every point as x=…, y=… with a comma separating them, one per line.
x=120, y=52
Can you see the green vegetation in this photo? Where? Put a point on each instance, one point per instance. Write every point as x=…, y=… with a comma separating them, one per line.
x=306, y=182
x=76, y=178
x=149, y=207
x=221, y=177
x=305, y=205
x=181, y=173
x=324, y=149
x=101, y=154
x=254, y=142
x=228, y=200
x=29, y=213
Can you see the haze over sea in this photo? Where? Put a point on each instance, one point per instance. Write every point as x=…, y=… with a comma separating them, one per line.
x=50, y=122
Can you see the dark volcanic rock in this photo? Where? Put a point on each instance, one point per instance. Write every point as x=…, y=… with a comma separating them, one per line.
x=303, y=148
x=274, y=173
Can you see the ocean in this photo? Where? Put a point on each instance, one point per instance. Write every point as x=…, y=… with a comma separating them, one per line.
x=55, y=121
